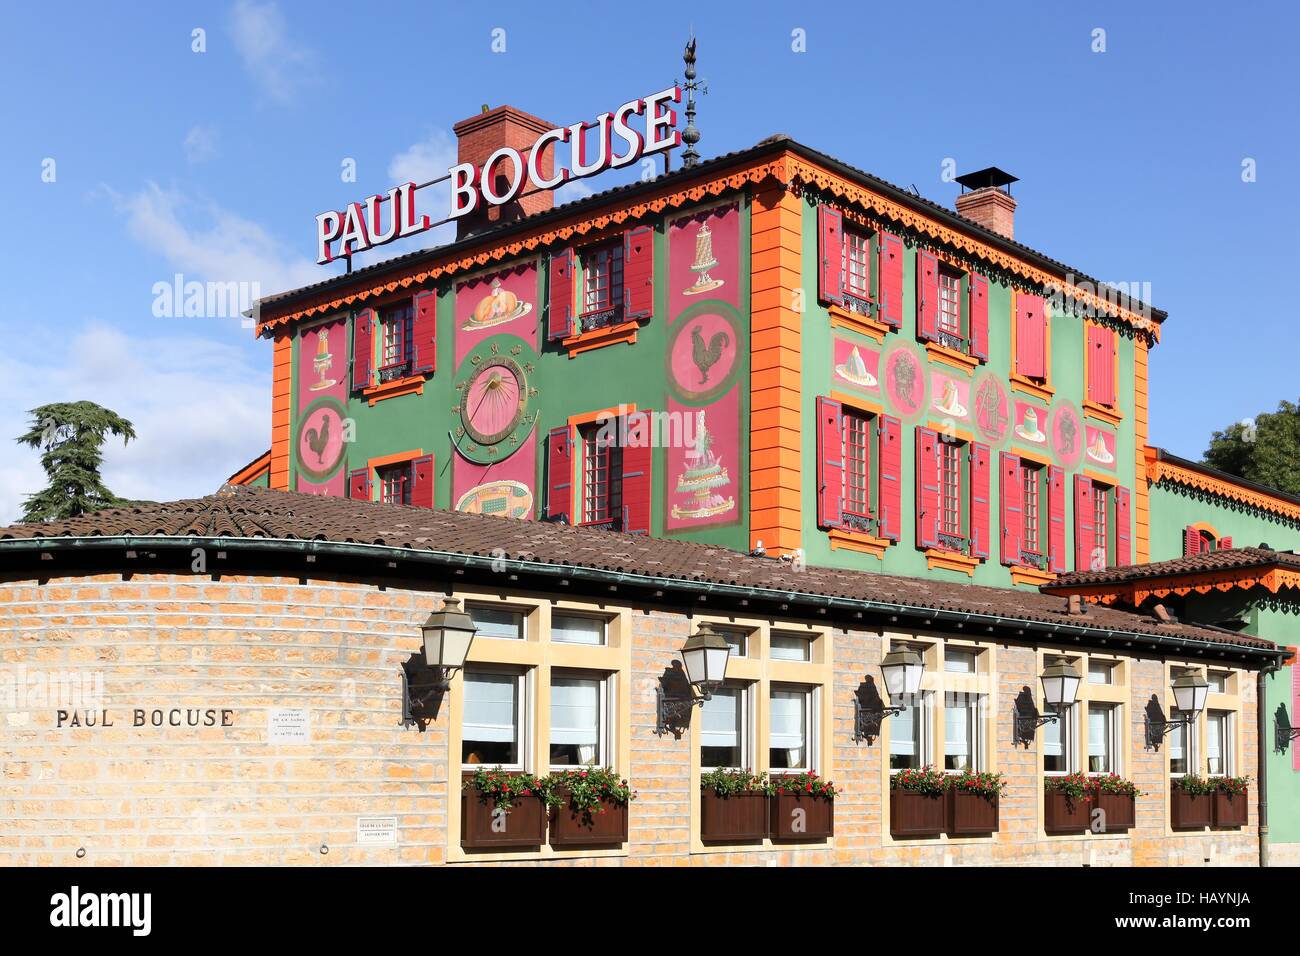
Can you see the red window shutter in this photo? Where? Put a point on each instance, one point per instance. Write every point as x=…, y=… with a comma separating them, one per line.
x=1031, y=336
x=890, y=269
x=1056, y=519
x=830, y=254
x=1191, y=541
x=830, y=463
x=559, y=319
x=1013, y=522
x=638, y=472
x=424, y=354
x=891, y=477
x=927, y=488
x=979, y=500
x=422, y=482
x=1101, y=364
x=1225, y=542
x=927, y=296
x=978, y=309
x=363, y=351
x=1123, y=536
x=1083, y=525
x=639, y=273
x=359, y=484
x=1111, y=344
x=559, y=475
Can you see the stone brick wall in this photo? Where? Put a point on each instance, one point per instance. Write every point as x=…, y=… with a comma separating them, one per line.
x=226, y=796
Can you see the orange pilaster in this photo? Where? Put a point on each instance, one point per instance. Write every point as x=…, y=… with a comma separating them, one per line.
x=281, y=385
x=1141, y=412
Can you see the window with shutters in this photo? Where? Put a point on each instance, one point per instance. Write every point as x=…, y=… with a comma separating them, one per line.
x=855, y=273
x=601, y=472
x=950, y=309
x=857, y=470
x=950, y=483
x=1031, y=346
x=394, y=484
x=395, y=337
x=1103, y=526
x=1034, y=531
x=1101, y=373
x=602, y=285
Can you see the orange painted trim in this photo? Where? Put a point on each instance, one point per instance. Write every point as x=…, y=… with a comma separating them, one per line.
x=1110, y=481
x=1141, y=420
x=1158, y=470
x=384, y=461
x=1031, y=576
x=1271, y=578
x=857, y=541
x=951, y=561
x=587, y=418
x=281, y=400
x=958, y=433
x=1101, y=413
x=942, y=355
x=254, y=470
x=1029, y=454
x=857, y=403
x=1028, y=386
x=411, y=385
x=845, y=319
x=575, y=345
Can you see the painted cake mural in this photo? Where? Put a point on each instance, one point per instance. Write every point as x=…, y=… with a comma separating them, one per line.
x=1029, y=422
x=703, y=482
x=1100, y=448
x=855, y=366
x=319, y=433
x=495, y=303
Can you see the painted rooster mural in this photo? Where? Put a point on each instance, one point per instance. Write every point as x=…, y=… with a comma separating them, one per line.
x=706, y=356
x=318, y=440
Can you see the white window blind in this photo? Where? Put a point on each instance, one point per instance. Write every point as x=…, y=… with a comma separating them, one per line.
x=1101, y=720
x=790, y=647
x=491, y=707
x=903, y=732
x=958, y=732
x=575, y=713
x=494, y=622
x=959, y=662
x=572, y=629
x=789, y=717
x=720, y=718
x=1216, y=739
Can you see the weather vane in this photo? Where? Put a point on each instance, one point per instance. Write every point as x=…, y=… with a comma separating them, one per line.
x=691, y=135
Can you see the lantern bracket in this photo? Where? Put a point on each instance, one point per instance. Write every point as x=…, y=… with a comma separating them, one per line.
x=423, y=688
x=1026, y=724
x=1160, y=727
x=673, y=711
x=867, y=720
x=1283, y=734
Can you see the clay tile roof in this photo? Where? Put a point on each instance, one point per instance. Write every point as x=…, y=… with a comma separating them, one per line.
x=1229, y=559
x=253, y=512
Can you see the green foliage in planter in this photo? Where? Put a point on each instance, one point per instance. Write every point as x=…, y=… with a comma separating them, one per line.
x=806, y=782
x=588, y=789
x=503, y=788
x=1074, y=785
x=1234, y=786
x=730, y=783
x=925, y=780
x=1198, y=786
x=983, y=783
x=1114, y=783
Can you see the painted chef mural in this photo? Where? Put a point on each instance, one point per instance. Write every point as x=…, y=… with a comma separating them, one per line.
x=319, y=439
x=703, y=482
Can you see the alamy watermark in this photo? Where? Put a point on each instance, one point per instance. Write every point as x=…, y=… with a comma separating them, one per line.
x=191, y=299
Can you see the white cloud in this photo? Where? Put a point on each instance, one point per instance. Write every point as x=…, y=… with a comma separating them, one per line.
x=278, y=65
x=200, y=144
x=428, y=159
x=200, y=407
x=572, y=191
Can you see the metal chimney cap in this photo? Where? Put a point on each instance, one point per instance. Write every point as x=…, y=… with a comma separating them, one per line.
x=986, y=178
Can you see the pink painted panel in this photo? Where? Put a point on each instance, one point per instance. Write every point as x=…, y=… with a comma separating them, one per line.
x=499, y=488
x=703, y=480
x=504, y=301
x=704, y=258
x=1027, y=424
x=949, y=396
x=1067, y=435
x=1100, y=447
x=855, y=367
x=322, y=365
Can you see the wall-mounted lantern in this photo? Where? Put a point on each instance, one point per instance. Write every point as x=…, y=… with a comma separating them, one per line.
x=447, y=635
x=1283, y=732
x=704, y=657
x=902, y=670
x=1060, y=682
x=1190, y=691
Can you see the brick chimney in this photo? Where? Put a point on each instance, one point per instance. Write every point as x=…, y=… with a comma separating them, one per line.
x=989, y=201
x=479, y=137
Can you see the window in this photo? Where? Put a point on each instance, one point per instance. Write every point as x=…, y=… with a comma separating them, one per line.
x=790, y=728
x=577, y=629
x=396, y=335
x=738, y=639
x=602, y=476
x=490, y=729
x=1218, y=743
x=1218, y=681
x=1058, y=743
x=791, y=647
x=961, y=731
x=578, y=721
x=1101, y=523
x=907, y=737
x=395, y=484
x=958, y=661
x=1101, y=672
x=602, y=278
x=1103, y=738
x=950, y=332
x=498, y=622
x=1180, y=744
x=855, y=272
x=724, y=729
x=950, y=482
x=857, y=464
x=1030, y=481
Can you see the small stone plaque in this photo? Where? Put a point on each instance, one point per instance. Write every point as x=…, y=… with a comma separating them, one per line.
x=288, y=726
x=377, y=830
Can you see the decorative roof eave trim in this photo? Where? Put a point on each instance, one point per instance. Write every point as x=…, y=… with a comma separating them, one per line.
x=1161, y=469
x=1269, y=577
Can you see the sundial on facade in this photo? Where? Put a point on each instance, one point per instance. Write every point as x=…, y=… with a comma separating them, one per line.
x=494, y=408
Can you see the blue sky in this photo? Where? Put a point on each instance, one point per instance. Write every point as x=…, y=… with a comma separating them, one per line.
x=214, y=164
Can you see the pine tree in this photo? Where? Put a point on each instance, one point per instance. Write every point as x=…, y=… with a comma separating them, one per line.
x=1264, y=451
x=70, y=436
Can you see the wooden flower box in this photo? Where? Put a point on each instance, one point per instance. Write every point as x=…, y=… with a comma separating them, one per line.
x=483, y=826
x=1063, y=814
x=1119, y=811
x=734, y=819
x=971, y=814
x=607, y=825
x=915, y=814
x=1190, y=811
x=1231, y=809
x=801, y=816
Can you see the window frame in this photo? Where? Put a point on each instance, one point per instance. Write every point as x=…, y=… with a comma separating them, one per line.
x=744, y=733
x=565, y=613
x=589, y=444
x=606, y=311
x=869, y=432
x=810, y=728
x=973, y=704
x=1227, y=743
x=1113, y=739
x=607, y=707
x=399, y=316
x=856, y=300
x=523, y=616
x=523, y=716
